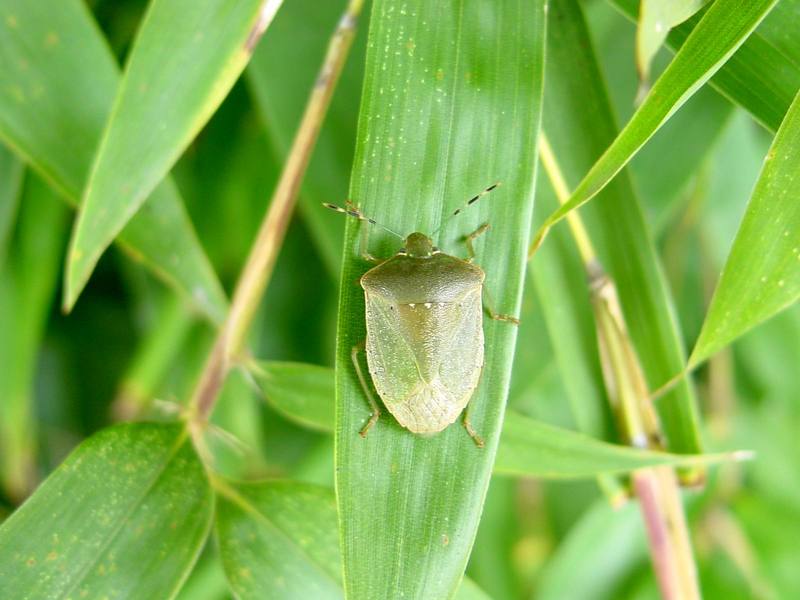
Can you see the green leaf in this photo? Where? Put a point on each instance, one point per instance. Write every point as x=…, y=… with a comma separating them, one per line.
x=280, y=90
x=531, y=448
x=302, y=392
x=527, y=447
x=10, y=183
x=125, y=515
x=579, y=123
x=656, y=18
x=446, y=111
x=762, y=274
x=604, y=541
x=279, y=539
x=27, y=286
x=57, y=83
x=722, y=30
x=764, y=73
x=162, y=102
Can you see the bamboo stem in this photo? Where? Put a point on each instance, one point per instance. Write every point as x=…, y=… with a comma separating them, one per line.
x=656, y=488
x=261, y=261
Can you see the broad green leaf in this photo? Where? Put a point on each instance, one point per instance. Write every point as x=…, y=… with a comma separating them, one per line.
x=28, y=281
x=722, y=30
x=446, y=111
x=579, y=123
x=762, y=274
x=57, y=83
x=279, y=539
x=184, y=60
x=10, y=182
x=280, y=89
x=527, y=448
x=124, y=516
x=656, y=18
x=304, y=393
x=763, y=75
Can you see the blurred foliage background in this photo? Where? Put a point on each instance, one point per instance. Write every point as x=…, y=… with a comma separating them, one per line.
x=130, y=339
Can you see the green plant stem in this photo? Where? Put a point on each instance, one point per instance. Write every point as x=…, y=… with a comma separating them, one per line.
x=263, y=254
x=656, y=488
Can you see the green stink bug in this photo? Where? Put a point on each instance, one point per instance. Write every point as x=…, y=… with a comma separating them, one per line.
x=424, y=340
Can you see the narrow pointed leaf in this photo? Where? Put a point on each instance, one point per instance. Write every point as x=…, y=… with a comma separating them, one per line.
x=10, y=182
x=28, y=281
x=57, y=83
x=578, y=121
x=124, y=516
x=279, y=539
x=530, y=448
x=527, y=448
x=763, y=75
x=184, y=61
x=762, y=273
x=451, y=104
x=724, y=27
x=656, y=18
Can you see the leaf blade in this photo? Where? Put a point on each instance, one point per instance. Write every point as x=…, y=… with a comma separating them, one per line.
x=724, y=27
x=762, y=273
x=137, y=511
x=162, y=102
x=54, y=98
x=475, y=99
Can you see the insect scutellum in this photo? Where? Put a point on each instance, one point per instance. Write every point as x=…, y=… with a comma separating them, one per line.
x=416, y=244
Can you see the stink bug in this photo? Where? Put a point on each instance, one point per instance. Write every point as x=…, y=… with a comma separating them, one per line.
x=424, y=340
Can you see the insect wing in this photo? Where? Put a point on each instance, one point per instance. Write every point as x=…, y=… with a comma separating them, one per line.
x=425, y=358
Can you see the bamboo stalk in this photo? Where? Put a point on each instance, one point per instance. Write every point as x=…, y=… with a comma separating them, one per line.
x=260, y=263
x=656, y=488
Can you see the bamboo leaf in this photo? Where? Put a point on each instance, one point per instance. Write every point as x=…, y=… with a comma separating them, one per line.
x=279, y=539
x=763, y=75
x=446, y=111
x=762, y=273
x=656, y=18
x=530, y=448
x=604, y=541
x=723, y=28
x=527, y=448
x=579, y=123
x=27, y=285
x=302, y=392
x=57, y=81
x=10, y=183
x=163, y=100
x=125, y=515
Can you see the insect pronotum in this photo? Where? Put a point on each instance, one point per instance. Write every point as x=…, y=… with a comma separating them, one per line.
x=424, y=344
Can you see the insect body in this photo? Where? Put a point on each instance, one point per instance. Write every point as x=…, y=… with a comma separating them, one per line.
x=424, y=334
x=424, y=345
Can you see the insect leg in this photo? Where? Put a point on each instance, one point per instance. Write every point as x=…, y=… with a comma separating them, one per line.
x=376, y=411
x=488, y=303
x=472, y=236
x=468, y=426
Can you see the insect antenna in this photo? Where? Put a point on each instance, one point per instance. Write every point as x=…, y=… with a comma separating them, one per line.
x=466, y=205
x=352, y=211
